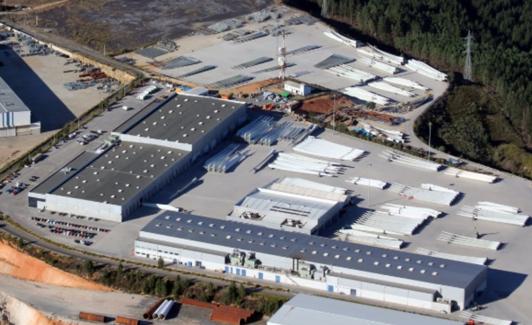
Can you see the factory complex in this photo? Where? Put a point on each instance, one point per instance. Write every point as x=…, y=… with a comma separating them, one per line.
x=139, y=157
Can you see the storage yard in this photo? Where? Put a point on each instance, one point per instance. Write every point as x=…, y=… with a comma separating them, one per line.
x=38, y=75
x=332, y=61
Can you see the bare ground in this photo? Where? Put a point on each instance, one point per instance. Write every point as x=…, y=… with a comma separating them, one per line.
x=126, y=25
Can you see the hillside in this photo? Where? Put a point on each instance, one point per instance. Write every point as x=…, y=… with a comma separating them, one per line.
x=488, y=120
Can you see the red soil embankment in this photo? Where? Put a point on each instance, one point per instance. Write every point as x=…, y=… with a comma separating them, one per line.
x=22, y=266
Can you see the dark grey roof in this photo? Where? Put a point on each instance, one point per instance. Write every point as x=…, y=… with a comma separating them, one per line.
x=312, y=310
x=182, y=118
x=333, y=61
x=9, y=100
x=314, y=249
x=120, y=173
x=65, y=173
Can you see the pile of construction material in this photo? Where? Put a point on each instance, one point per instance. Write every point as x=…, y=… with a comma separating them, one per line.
x=327, y=149
x=366, y=96
x=368, y=182
x=394, y=219
x=305, y=165
x=470, y=318
x=160, y=310
x=340, y=38
x=425, y=70
x=372, y=63
x=347, y=71
x=226, y=160
x=457, y=239
x=300, y=186
x=384, y=86
x=333, y=60
x=460, y=173
x=454, y=257
x=495, y=212
x=400, y=158
x=381, y=55
x=389, y=135
x=266, y=131
x=405, y=83
x=429, y=194
x=368, y=238
x=147, y=92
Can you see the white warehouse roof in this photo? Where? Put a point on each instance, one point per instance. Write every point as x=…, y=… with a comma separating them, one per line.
x=312, y=310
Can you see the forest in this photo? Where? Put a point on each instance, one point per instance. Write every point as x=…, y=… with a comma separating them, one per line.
x=487, y=120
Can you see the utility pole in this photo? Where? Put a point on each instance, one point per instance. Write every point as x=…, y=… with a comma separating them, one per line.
x=468, y=67
x=334, y=112
x=430, y=138
x=324, y=8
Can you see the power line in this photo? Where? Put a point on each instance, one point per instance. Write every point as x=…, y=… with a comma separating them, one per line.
x=468, y=67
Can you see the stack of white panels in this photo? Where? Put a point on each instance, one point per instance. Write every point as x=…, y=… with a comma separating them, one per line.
x=304, y=187
x=410, y=211
x=432, y=187
x=395, y=156
x=349, y=72
x=481, y=319
x=389, y=223
x=390, y=135
x=366, y=95
x=405, y=82
x=421, y=194
x=379, y=65
x=460, y=173
x=225, y=160
x=462, y=240
x=255, y=130
x=305, y=165
x=323, y=148
x=426, y=70
x=461, y=258
x=368, y=182
x=340, y=38
x=495, y=213
x=378, y=54
x=381, y=85
x=361, y=237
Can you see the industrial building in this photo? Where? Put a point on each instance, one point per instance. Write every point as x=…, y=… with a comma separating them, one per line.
x=319, y=263
x=15, y=116
x=313, y=310
x=297, y=88
x=291, y=204
x=142, y=155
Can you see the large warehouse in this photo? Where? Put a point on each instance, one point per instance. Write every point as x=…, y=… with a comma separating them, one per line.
x=311, y=261
x=312, y=310
x=292, y=204
x=15, y=116
x=143, y=155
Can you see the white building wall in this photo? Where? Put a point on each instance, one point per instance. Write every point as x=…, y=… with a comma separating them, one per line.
x=336, y=283
x=82, y=207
